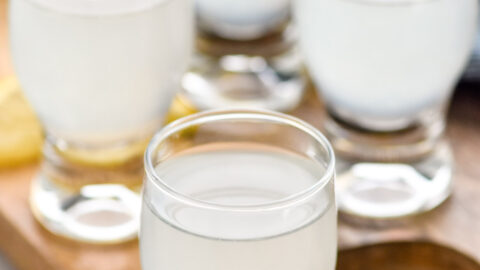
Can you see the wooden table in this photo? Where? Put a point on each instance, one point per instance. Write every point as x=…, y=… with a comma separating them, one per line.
x=455, y=224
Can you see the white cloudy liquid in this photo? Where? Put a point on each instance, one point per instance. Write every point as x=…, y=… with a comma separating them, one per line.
x=386, y=59
x=181, y=237
x=242, y=19
x=100, y=71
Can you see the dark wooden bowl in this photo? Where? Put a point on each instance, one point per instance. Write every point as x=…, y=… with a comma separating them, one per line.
x=405, y=256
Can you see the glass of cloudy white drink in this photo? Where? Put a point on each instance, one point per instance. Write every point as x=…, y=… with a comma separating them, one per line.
x=245, y=56
x=239, y=190
x=101, y=75
x=386, y=70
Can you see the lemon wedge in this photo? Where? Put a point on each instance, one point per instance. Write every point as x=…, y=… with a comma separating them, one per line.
x=180, y=107
x=20, y=132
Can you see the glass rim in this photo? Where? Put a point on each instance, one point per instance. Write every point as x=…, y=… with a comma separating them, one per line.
x=211, y=116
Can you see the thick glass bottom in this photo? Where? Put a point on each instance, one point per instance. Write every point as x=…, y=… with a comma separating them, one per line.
x=384, y=175
x=89, y=194
x=99, y=213
x=390, y=190
x=275, y=83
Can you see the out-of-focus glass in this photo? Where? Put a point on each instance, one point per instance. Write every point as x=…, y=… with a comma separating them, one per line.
x=101, y=76
x=472, y=74
x=239, y=190
x=246, y=56
x=386, y=70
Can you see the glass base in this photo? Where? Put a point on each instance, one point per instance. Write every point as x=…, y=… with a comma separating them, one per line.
x=100, y=214
x=275, y=83
x=89, y=194
x=390, y=190
x=385, y=175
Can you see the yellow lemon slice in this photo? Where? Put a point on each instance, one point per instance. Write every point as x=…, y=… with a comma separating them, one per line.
x=180, y=107
x=20, y=132
x=114, y=157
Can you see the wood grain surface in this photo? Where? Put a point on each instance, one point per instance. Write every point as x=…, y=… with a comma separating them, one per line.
x=404, y=256
x=454, y=225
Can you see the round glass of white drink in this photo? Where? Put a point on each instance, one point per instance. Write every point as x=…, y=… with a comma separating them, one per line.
x=101, y=75
x=245, y=56
x=386, y=70
x=239, y=190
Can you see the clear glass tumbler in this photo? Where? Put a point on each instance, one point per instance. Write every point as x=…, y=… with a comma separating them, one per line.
x=386, y=70
x=239, y=190
x=101, y=75
x=246, y=56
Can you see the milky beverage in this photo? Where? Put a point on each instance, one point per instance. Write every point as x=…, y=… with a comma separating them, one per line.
x=245, y=18
x=181, y=236
x=100, y=71
x=386, y=59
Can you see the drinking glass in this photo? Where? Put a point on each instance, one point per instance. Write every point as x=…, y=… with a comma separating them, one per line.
x=237, y=190
x=245, y=56
x=101, y=76
x=386, y=70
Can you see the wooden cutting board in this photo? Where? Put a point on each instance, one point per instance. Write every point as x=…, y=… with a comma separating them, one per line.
x=455, y=224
